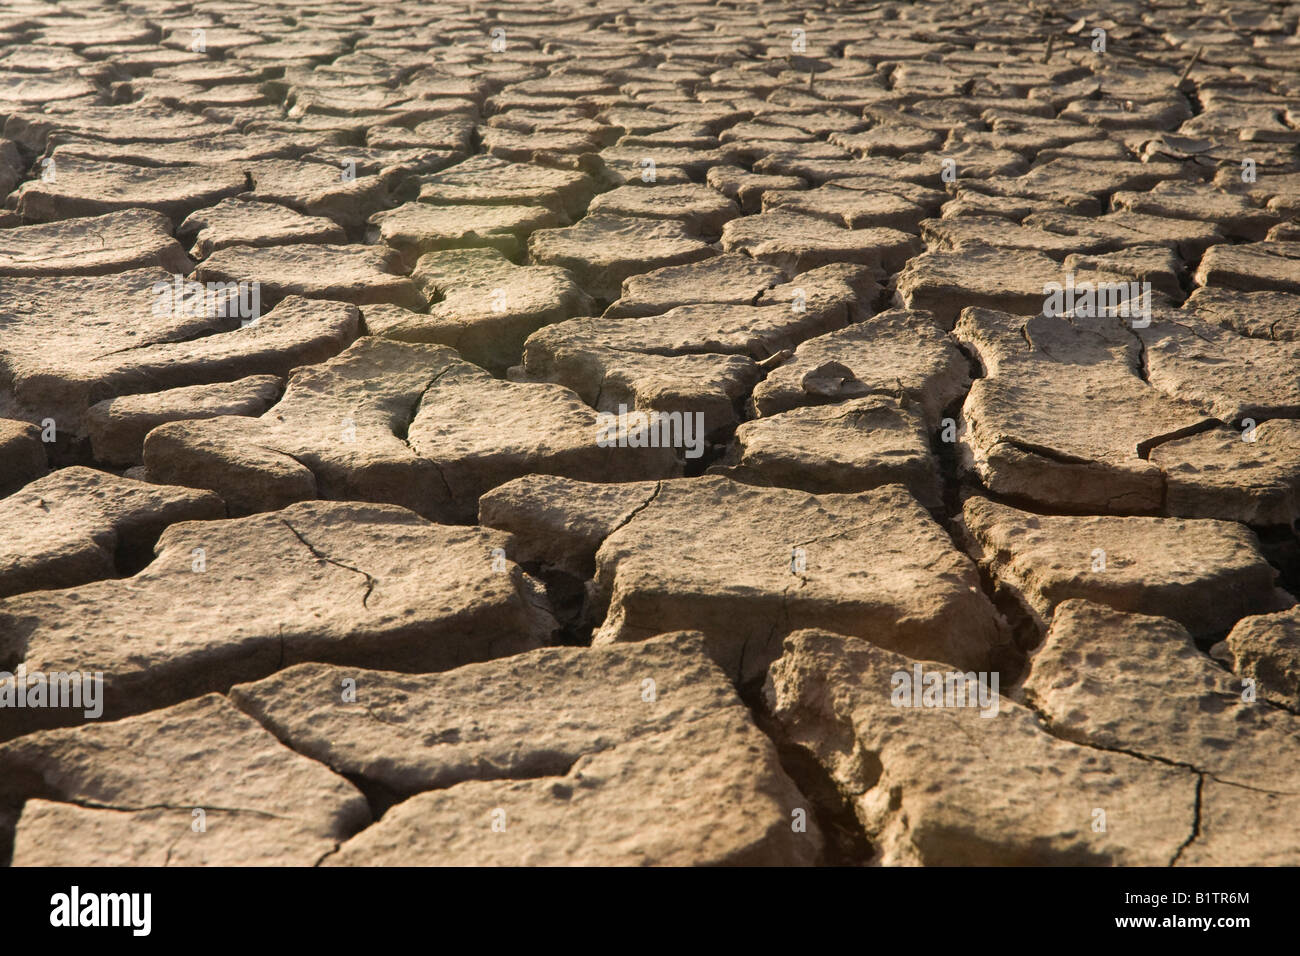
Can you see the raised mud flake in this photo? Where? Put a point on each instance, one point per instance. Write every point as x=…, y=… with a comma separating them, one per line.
x=351, y=101
x=117, y=426
x=72, y=526
x=453, y=129
x=269, y=120
x=208, y=151
x=1279, y=192
x=561, y=91
x=857, y=445
x=964, y=232
x=828, y=300
x=481, y=432
x=897, y=352
x=83, y=188
x=970, y=202
x=976, y=160
x=1061, y=234
x=247, y=147
x=545, y=527
x=841, y=292
x=23, y=90
x=601, y=250
x=694, y=358
x=231, y=95
x=390, y=422
x=1205, y=574
x=245, y=222
x=134, y=785
x=337, y=432
x=318, y=189
x=1284, y=232
x=347, y=583
x=1233, y=215
x=800, y=162
x=21, y=57
x=1250, y=475
x=484, y=306
x=681, y=136
x=416, y=228
x=747, y=188
x=890, y=140
x=705, y=792
x=110, y=31
x=1080, y=183
x=1266, y=648
x=1256, y=267
x=121, y=346
x=1260, y=315
x=945, y=283
x=1102, y=678
x=125, y=123
x=1124, y=229
x=642, y=121
x=927, y=198
x=490, y=180
x=1251, y=122
x=852, y=208
x=711, y=384
x=219, y=40
x=796, y=242
x=1156, y=264
x=390, y=165
x=529, y=715
x=521, y=147
x=539, y=121
x=1062, y=417
x=22, y=454
x=728, y=279
x=702, y=210
x=1119, y=114
x=363, y=275
x=874, y=565
x=1250, y=378
x=921, y=800
x=306, y=45
x=627, y=164
x=1171, y=147
x=97, y=245
x=930, y=79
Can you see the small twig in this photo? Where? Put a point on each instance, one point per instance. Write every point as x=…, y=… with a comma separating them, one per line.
x=1051, y=39
x=1188, y=69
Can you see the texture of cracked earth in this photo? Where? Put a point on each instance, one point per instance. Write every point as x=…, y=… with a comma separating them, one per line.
x=365, y=588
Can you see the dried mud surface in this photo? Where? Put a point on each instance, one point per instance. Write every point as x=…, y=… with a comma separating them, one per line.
x=363, y=566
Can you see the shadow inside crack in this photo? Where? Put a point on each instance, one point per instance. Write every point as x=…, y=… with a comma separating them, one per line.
x=846, y=843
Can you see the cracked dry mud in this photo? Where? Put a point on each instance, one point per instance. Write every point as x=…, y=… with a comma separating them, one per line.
x=329, y=336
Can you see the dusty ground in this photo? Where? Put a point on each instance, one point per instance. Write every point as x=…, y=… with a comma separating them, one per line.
x=368, y=570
